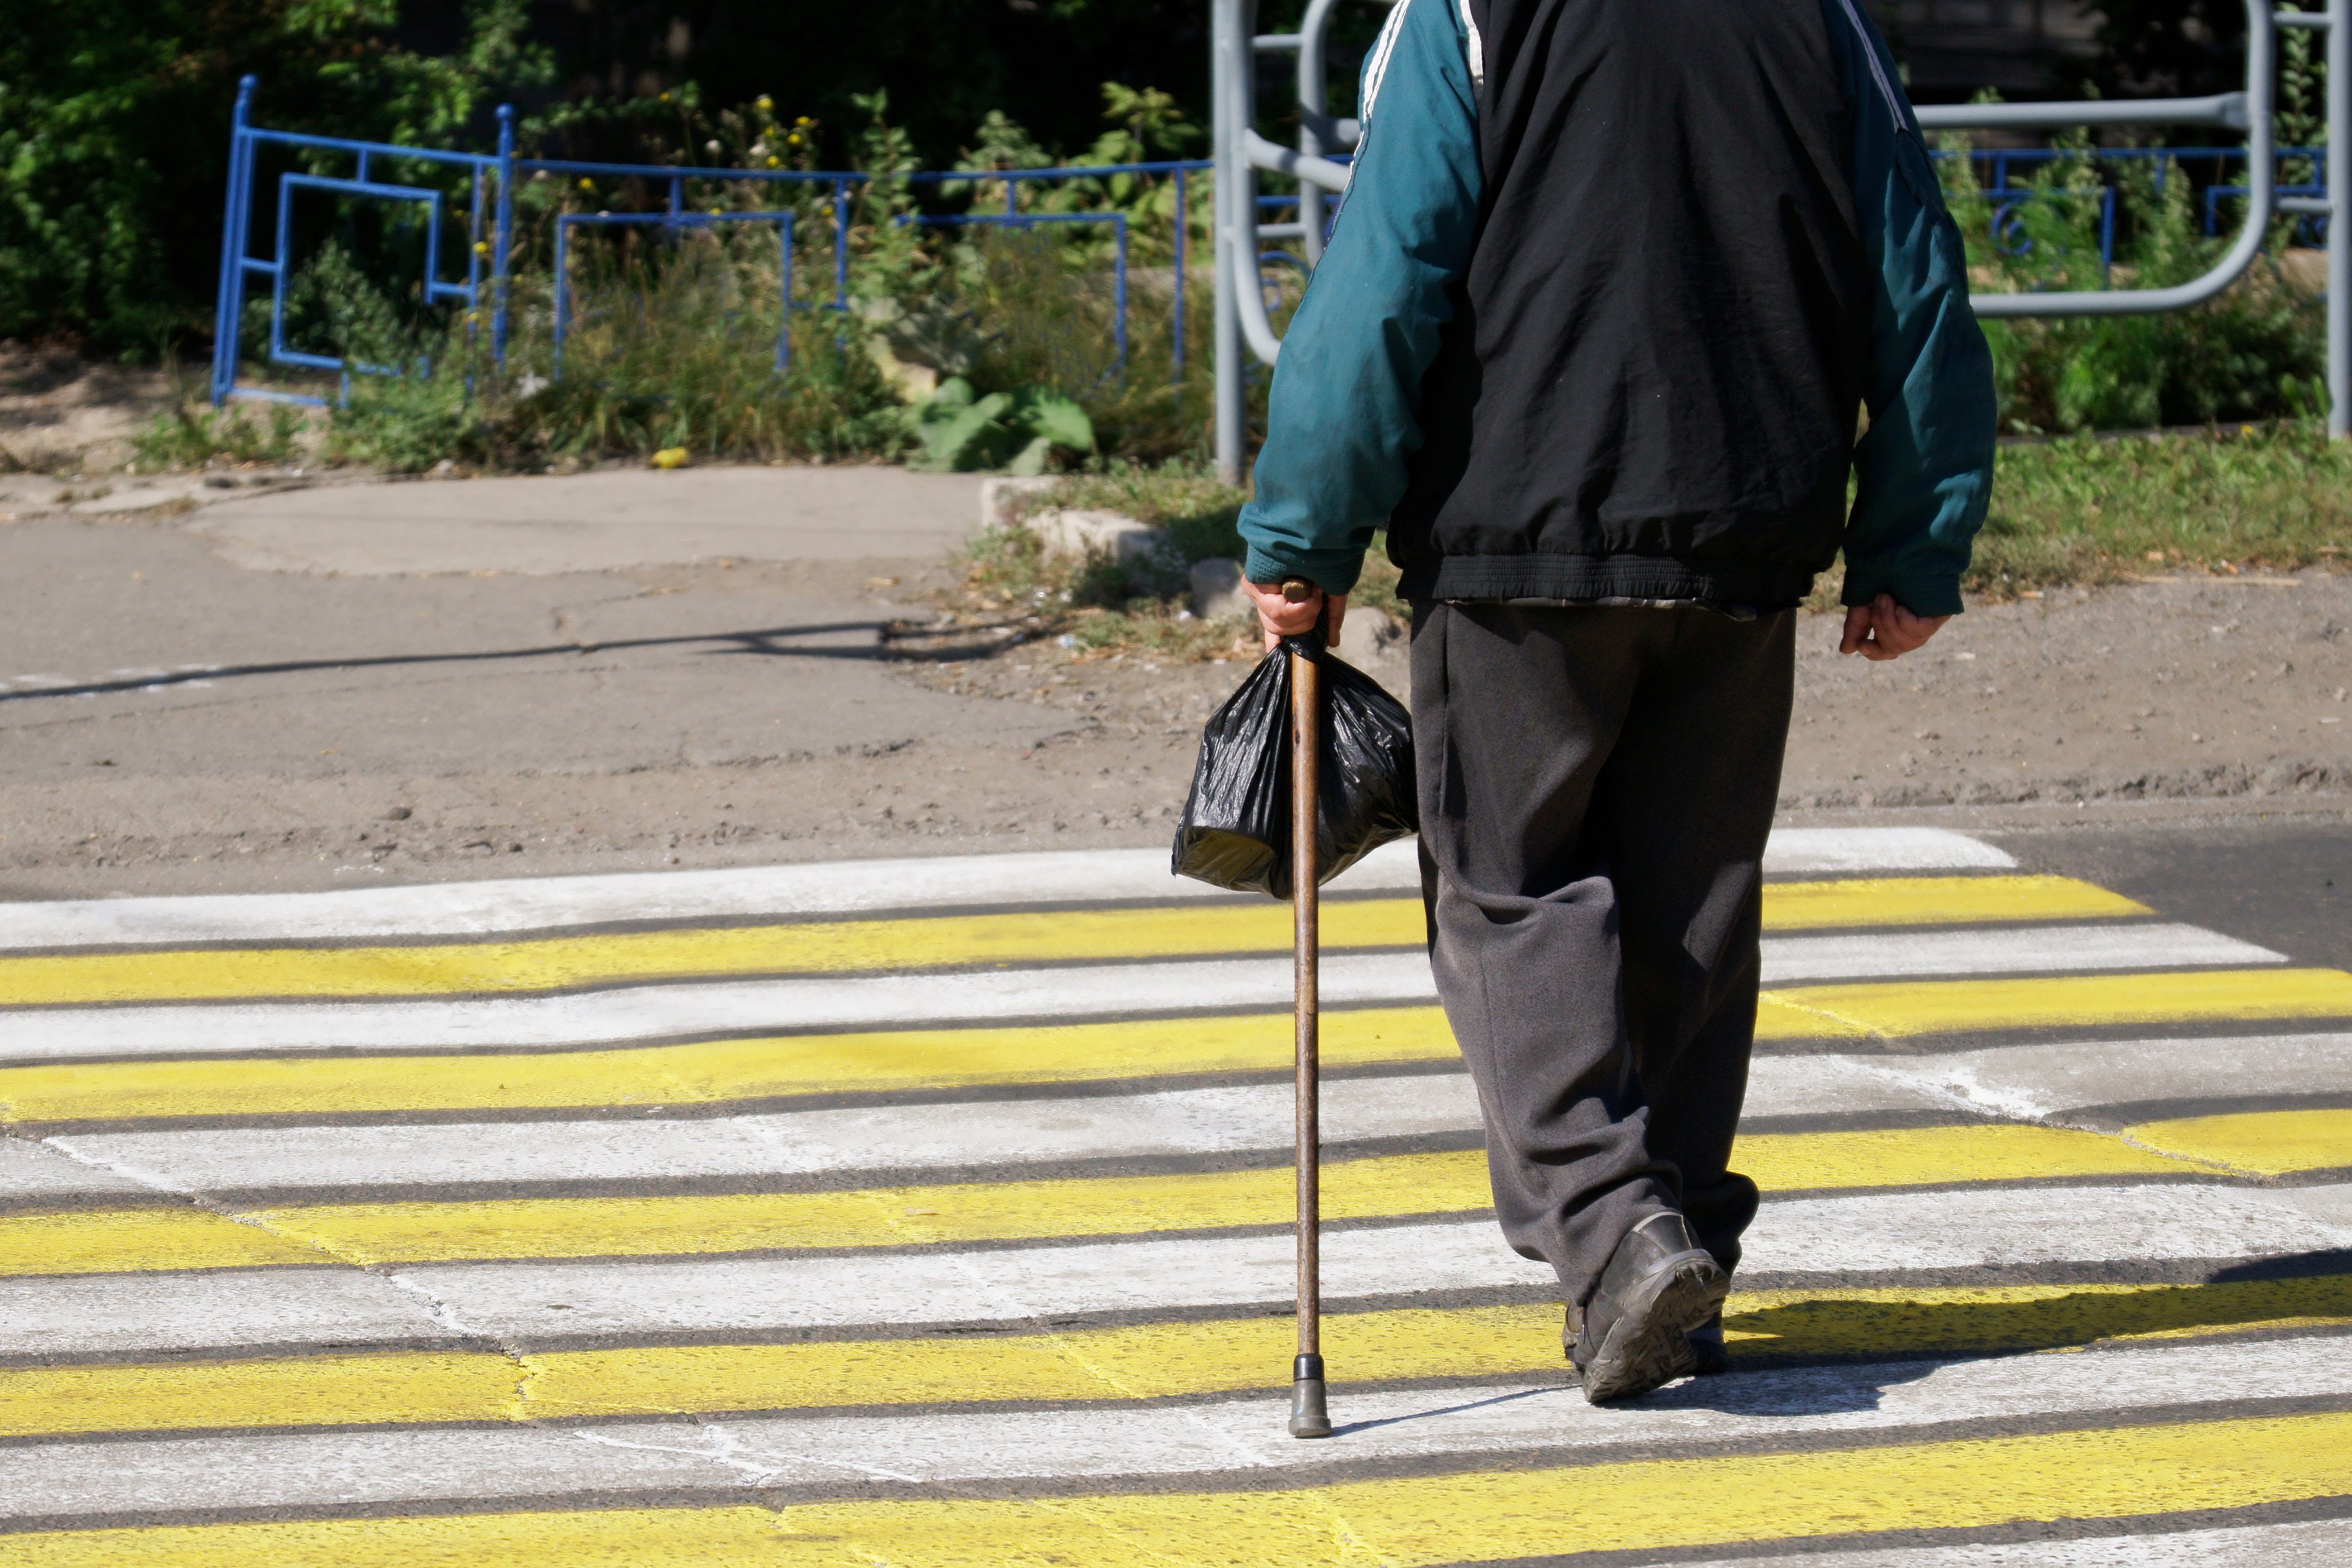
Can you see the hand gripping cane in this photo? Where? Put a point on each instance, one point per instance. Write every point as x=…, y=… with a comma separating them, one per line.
x=1307, y=1416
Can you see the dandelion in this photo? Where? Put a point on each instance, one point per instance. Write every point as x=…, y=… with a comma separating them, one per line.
x=664, y=98
x=481, y=248
x=775, y=162
x=804, y=119
x=763, y=104
x=794, y=140
x=587, y=185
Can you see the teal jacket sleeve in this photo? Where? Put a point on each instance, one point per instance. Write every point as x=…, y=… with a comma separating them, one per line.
x=1342, y=418
x=1923, y=472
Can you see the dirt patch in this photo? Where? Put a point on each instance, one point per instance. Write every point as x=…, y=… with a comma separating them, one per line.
x=2185, y=687
x=61, y=414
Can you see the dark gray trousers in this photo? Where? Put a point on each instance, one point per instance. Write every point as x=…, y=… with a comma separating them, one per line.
x=1596, y=787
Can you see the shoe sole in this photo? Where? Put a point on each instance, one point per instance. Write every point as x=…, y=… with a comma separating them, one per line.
x=1650, y=1345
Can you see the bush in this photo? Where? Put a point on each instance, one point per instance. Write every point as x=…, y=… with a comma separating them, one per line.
x=2253, y=353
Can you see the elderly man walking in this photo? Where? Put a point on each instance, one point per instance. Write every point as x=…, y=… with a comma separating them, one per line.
x=1610, y=287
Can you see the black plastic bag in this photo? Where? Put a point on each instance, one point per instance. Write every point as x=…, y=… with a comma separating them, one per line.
x=1235, y=832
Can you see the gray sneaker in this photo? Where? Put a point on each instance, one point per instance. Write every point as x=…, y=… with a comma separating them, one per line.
x=1635, y=1333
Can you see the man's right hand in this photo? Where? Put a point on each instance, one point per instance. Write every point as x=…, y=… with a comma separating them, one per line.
x=1280, y=617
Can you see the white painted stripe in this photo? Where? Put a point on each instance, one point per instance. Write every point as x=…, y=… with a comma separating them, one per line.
x=1947, y=1230
x=31, y=1174
x=1223, y=1437
x=805, y=1142
x=1004, y=1133
x=2319, y=1544
x=654, y=1012
x=1950, y=1230
x=103, y=1314
x=2019, y=951
x=1853, y=851
x=1962, y=1227
x=459, y=909
x=2038, y=1081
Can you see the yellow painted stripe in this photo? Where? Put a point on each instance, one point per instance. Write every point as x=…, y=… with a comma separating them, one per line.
x=118, y=1240
x=2269, y=1142
x=1150, y=1360
x=1937, y=900
x=1947, y=1006
x=841, y=946
x=1420, y=1521
x=713, y=1071
x=1383, y=1187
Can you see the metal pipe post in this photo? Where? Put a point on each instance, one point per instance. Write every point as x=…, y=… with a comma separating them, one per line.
x=1230, y=61
x=502, y=237
x=230, y=303
x=2340, y=209
x=1176, y=313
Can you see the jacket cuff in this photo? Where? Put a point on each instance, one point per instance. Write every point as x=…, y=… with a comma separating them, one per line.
x=1934, y=595
x=1333, y=571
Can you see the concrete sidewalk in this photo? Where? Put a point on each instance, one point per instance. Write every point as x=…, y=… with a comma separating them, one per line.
x=597, y=522
x=337, y=683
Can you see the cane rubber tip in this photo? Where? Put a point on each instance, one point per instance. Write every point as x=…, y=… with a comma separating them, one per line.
x=1307, y=1416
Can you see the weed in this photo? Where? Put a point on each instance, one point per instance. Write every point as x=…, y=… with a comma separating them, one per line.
x=188, y=434
x=2251, y=353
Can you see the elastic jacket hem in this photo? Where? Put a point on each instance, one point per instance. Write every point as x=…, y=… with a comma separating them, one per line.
x=1563, y=578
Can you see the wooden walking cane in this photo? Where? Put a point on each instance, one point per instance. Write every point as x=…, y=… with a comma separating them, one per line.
x=1309, y=1418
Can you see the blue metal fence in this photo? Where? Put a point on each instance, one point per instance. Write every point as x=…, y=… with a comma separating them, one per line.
x=2008, y=195
x=490, y=181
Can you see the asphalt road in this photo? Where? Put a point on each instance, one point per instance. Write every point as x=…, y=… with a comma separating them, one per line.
x=933, y=1212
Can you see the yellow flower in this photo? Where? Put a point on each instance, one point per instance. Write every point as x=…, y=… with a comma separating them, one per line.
x=775, y=162
x=803, y=119
x=763, y=104
x=664, y=98
x=481, y=248
x=587, y=185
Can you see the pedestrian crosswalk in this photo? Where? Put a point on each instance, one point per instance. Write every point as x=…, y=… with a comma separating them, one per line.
x=937, y=1213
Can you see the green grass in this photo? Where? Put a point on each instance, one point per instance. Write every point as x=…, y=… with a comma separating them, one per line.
x=2082, y=509
x=2085, y=510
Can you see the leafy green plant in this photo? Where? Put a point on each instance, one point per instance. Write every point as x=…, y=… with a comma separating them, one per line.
x=2253, y=353
x=188, y=436
x=1017, y=430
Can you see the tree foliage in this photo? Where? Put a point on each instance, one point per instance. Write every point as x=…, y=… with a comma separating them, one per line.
x=114, y=130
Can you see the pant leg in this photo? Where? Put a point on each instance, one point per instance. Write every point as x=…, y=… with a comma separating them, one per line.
x=1553, y=742
x=1516, y=713
x=1686, y=802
